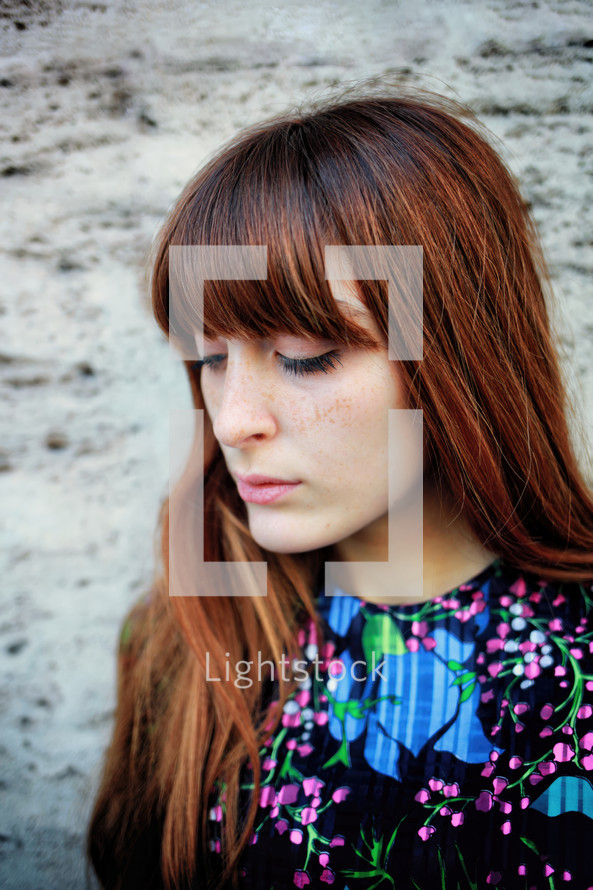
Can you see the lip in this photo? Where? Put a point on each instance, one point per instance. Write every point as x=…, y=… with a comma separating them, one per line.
x=257, y=489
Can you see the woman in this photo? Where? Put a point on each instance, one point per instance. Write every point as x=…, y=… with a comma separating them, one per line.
x=441, y=733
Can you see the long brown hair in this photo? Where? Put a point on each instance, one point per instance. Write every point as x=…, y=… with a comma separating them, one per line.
x=361, y=171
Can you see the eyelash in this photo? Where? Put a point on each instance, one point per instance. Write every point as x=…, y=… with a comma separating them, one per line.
x=297, y=366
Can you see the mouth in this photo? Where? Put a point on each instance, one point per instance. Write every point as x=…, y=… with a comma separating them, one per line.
x=256, y=489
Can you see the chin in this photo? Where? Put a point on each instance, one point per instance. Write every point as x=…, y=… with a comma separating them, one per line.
x=274, y=539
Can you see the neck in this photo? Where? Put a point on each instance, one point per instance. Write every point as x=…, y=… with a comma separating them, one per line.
x=449, y=553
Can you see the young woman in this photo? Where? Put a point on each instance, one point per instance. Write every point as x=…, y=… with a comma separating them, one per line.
x=435, y=738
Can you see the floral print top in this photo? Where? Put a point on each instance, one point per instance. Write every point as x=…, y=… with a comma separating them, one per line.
x=463, y=760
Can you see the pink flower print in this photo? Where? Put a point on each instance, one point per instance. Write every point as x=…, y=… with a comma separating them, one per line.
x=419, y=628
x=274, y=811
x=506, y=827
x=484, y=801
x=548, y=870
x=328, y=649
x=488, y=770
x=519, y=588
x=535, y=778
x=451, y=790
x=216, y=814
x=435, y=784
x=487, y=696
x=457, y=819
x=340, y=794
x=425, y=832
x=525, y=803
x=532, y=670
x=323, y=859
x=327, y=876
x=301, y=878
x=494, y=669
x=269, y=764
x=547, y=711
x=506, y=601
x=316, y=801
x=559, y=600
x=267, y=796
x=587, y=762
x=527, y=646
x=503, y=629
x=563, y=752
x=291, y=744
x=584, y=712
x=422, y=796
x=429, y=643
x=499, y=784
x=413, y=644
x=308, y=815
x=494, y=644
x=494, y=877
x=296, y=836
x=494, y=755
x=589, y=685
x=445, y=811
x=451, y=604
x=320, y=717
x=519, y=727
x=567, y=730
x=515, y=762
x=291, y=720
x=566, y=876
x=576, y=653
x=556, y=625
x=521, y=708
x=337, y=668
x=303, y=697
x=288, y=794
x=506, y=807
x=337, y=841
x=463, y=615
x=522, y=870
x=477, y=606
x=253, y=838
x=547, y=767
x=559, y=671
x=312, y=785
x=304, y=750
x=281, y=826
x=546, y=731
x=587, y=741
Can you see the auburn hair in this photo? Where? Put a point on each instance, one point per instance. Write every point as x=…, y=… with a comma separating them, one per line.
x=374, y=170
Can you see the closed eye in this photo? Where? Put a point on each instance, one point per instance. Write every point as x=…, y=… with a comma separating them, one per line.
x=296, y=366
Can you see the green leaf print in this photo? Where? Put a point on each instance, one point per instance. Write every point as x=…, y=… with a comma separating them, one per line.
x=383, y=637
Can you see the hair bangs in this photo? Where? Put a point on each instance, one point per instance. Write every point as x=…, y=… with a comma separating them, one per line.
x=260, y=196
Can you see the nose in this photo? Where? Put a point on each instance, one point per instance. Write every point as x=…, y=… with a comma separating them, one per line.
x=246, y=412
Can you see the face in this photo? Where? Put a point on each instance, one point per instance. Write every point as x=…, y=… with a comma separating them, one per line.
x=302, y=426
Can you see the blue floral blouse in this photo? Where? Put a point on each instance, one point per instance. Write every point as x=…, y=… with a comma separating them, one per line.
x=447, y=744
